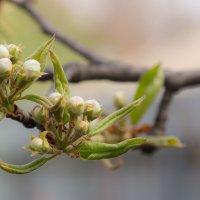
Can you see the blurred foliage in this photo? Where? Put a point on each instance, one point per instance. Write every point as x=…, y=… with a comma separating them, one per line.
x=21, y=29
x=149, y=86
x=73, y=26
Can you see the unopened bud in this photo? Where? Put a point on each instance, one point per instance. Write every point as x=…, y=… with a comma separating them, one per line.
x=40, y=144
x=4, y=53
x=120, y=99
x=75, y=105
x=54, y=97
x=82, y=126
x=5, y=65
x=14, y=51
x=31, y=67
x=37, y=144
x=38, y=114
x=92, y=109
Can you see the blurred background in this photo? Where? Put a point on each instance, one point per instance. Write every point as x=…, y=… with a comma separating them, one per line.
x=138, y=32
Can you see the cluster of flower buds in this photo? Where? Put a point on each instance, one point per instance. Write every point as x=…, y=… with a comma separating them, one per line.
x=10, y=51
x=5, y=62
x=90, y=108
x=76, y=107
x=10, y=54
x=80, y=113
x=40, y=113
x=15, y=75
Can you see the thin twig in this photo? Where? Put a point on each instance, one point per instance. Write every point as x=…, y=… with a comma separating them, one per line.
x=163, y=110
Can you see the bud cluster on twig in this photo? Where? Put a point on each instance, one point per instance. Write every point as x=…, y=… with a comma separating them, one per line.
x=66, y=123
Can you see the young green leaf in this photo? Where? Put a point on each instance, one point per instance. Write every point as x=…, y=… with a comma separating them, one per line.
x=149, y=86
x=41, y=53
x=90, y=150
x=96, y=150
x=24, y=169
x=112, y=118
x=60, y=79
x=38, y=99
x=66, y=116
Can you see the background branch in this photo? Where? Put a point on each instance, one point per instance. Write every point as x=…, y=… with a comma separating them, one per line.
x=162, y=114
x=77, y=72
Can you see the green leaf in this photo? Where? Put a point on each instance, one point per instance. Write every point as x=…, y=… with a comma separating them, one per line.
x=149, y=86
x=66, y=116
x=91, y=150
x=96, y=150
x=112, y=118
x=38, y=99
x=24, y=169
x=41, y=54
x=60, y=79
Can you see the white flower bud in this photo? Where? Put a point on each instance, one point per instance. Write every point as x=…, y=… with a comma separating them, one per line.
x=54, y=97
x=92, y=109
x=37, y=144
x=82, y=126
x=5, y=65
x=75, y=105
x=120, y=99
x=31, y=67
x=4, y=53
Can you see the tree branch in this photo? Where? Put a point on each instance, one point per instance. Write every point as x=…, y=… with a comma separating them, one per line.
x=77, y=72
x=24, y=118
